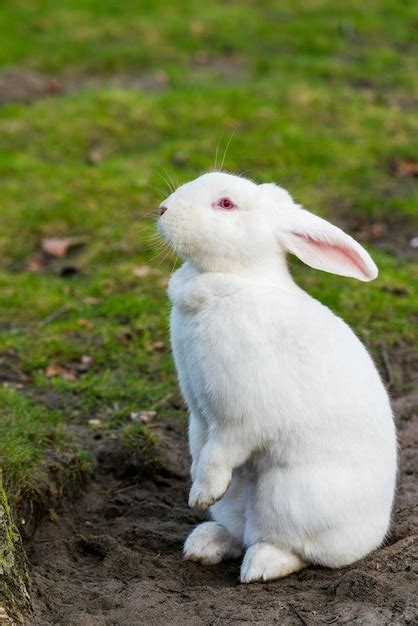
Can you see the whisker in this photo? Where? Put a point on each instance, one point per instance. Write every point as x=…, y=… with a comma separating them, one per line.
x=153, y=245
x=165, y=256
x=152, y=215
x=147, y=232
x=169, y=190
x=226, y=149
x=214, y=168
x=252, y=169
x=173, y=182
x=165, y=249
x=159, y=190
x=164, y=177
x=176, y=260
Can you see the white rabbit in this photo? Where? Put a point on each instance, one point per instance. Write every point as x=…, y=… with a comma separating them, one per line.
x=291, y=431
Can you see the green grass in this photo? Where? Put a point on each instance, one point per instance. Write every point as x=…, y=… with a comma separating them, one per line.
x=24, y=430
x=322, y=99
x=28, y=429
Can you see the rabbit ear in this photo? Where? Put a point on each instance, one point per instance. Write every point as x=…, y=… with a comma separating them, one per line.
x=323, y=246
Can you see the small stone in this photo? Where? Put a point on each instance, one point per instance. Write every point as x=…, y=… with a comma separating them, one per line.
x=142, y=417
x=95, y=423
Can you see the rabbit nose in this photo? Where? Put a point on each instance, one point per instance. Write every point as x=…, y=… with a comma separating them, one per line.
x=162, y=210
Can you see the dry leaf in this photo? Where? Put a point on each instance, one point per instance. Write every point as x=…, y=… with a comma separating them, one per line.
x=83, y=364
x=377, y=229
x=84, y=323
x=158, y=346
x=179, y=158
x=34, y=264
x=54, y=85
x=125, y=335
x=142, y=417
x=71, y=371
x=58, y=247
x=196, y=28
x=53, y=371
x=405, y=168
x=94, y=156
x=141, y=271
x=161, y=78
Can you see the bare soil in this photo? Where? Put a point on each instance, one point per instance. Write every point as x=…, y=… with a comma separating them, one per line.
x=113, y=557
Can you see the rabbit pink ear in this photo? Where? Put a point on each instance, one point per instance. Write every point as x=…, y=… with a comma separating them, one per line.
x=323, y=246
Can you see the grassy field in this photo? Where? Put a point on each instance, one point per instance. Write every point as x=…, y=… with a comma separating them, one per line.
x=320, y=97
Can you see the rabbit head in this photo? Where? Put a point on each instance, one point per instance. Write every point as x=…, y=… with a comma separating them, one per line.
x=226, y=223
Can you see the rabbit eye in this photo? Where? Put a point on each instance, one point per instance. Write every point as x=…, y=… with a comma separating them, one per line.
x=224, y=203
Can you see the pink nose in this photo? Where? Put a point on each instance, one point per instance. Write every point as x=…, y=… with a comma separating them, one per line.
x=162, y=210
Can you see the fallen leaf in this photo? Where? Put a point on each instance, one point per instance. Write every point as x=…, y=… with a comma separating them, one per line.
x=54, y=85
x=405, y=168
x=196, y=28
x=142, y=417
x=84, y=323
x=125, y=335
x=34, y=264
x=94, y=156
x=58, y=247
x=53, y=371
x=396, y=291
x=377, y=229
x=179, y=158
x=158, y=346
x=141, y=271
x=161, y=78
x=83, y=364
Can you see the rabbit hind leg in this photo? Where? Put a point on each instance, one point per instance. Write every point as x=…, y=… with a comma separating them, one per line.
x=344, y=545
x=264, y=561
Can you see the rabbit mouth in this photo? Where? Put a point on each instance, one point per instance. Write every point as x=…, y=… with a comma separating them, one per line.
x=174, y=237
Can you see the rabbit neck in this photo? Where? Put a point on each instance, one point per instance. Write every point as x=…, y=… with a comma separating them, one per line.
x=270, y=269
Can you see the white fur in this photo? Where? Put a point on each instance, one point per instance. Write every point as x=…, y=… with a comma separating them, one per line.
x=211, y=543
x=286, y=405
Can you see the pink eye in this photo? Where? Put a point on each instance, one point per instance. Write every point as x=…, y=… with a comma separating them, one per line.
x=224, y=203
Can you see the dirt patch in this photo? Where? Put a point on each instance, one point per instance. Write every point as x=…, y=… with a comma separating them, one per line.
x=396, y=235
x=114, y=556
x=18, y=86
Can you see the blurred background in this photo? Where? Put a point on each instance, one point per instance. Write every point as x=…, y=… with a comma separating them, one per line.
x=106, y=104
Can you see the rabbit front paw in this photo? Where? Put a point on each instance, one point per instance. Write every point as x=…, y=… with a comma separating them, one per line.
x=211, y=488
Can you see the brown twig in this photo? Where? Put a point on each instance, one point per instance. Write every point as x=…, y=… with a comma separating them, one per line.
x=62, y=310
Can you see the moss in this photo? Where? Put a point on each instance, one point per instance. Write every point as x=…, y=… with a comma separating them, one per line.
x=140, y=443
x=14, y=583
x=8, y=534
